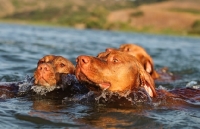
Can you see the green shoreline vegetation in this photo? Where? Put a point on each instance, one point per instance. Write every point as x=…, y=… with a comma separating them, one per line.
x=90, y=14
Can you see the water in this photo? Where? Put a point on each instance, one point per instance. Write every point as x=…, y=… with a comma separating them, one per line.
x=21, y=46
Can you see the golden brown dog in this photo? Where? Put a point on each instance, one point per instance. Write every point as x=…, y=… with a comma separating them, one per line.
x=140, y=54
x=116, y=71
x=49, y=69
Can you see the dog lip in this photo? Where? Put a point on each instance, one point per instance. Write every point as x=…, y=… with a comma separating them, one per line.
x=104, y=85
x=82, y=76
x=41, y=79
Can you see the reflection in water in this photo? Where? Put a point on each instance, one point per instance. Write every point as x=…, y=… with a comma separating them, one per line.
x=47, y=105
x=122, y=118
x=53, y=112
x=89, y=116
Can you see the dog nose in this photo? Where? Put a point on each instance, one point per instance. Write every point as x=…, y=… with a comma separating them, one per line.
x=83, y=59
x=110, y=49
x=43, y=67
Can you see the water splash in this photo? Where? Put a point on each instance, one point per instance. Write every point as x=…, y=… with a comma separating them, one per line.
x=3, y=97
x=69, y=83
x=162, y=87
x=43, y=90
x=25, y=85
x=66, y=81
x=193, y=84
x=127, y=98
x=115, y=99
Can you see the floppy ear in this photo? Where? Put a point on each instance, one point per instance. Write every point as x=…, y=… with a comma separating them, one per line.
x=147, y=82
x=149, y=68
x=155, y=75
x=146, y=62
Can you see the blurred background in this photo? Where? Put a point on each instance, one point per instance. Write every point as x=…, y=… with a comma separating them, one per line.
x=180, y=17
x=41, y=27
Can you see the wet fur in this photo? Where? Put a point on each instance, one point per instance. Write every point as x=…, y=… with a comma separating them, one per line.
x=117, y=71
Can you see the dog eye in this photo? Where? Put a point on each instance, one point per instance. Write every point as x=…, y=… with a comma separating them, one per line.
x=40, y=62
x=62, y=65
x=128, y=49
x=115, y=60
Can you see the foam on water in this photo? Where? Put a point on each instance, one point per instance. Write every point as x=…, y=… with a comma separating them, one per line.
x=3, y=97
x=26, y=84
x=129, y=97
x=68, y=82
x=193, y=84
x=42, y=90
x=108, y=98
x=105, y=97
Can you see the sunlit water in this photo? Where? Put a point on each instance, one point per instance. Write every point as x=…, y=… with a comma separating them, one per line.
x=21, y=46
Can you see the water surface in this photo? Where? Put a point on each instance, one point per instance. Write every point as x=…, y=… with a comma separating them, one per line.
x=21, y=46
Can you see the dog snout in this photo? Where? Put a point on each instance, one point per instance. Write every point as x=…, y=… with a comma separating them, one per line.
x=110, y=49
x=83, y=60
x=43, y=67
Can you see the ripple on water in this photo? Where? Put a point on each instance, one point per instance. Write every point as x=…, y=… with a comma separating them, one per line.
x=22, y=45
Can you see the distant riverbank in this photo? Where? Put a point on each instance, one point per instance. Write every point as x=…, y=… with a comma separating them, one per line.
x=177, y=17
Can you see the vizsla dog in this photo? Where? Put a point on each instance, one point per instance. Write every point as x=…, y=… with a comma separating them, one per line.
x=146, y=60
x=116, y=71
x=50, y=68
x=140, y=54
x=48, y=73
x=52, y=72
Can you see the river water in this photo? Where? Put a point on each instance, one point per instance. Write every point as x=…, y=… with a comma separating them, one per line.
x=22, y=45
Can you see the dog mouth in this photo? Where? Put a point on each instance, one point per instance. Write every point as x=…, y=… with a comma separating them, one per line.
x=104, y=85
x=81, y=76
x=41, y=82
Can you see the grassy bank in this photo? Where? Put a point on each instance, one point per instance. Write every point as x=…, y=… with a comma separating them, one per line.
x=141, y=16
